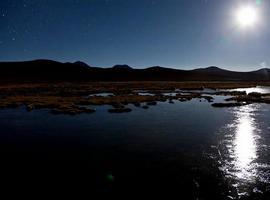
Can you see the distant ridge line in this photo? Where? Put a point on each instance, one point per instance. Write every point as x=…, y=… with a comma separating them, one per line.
x=49, y=70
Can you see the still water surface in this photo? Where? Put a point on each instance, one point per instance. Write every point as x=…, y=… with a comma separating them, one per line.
x=189, y=148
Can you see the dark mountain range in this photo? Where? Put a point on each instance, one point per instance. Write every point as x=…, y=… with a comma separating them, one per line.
x=82, y=64
x=47, y=70
x=122, y=67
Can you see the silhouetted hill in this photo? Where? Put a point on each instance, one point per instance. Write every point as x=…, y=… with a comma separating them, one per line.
x=48, y=70
x=211, y=69
x=41, y=70
x=126, y=67
x=82, y=64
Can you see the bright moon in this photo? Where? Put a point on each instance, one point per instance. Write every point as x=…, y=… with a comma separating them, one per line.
x=247, y=16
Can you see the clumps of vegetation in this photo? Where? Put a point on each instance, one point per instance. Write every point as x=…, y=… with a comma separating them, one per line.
x=118, y=88
x=255, y=94
x=230, y=93
x=208, y=98
x=182, y=99
x=193, y=95
x=235, y=104
x=58, y=105
x=253, y=97
x=171, y=101
x=152, y=103
x=137, y=104
x=244, y=99
x=145, y=107
x=73, y=105
x=74, y=110
x=73, y=98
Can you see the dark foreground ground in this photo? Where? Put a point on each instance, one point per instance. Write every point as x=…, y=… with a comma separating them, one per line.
x=60, y=175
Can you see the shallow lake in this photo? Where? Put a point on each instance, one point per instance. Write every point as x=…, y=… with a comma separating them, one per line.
x=260, y=89
x=187, y=149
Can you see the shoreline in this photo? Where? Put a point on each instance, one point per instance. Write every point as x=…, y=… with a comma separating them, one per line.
x=73, y=99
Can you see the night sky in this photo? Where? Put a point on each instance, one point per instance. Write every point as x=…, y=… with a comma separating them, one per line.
x=142, y=33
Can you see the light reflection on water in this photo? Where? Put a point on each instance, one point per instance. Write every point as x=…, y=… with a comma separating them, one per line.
x=260, y=89
x=239, y=149
x=244, y=144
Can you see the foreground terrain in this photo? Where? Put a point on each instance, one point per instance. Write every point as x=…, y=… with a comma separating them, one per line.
x=186, y=146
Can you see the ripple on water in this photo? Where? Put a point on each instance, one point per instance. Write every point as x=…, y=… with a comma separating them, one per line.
x=240, y=151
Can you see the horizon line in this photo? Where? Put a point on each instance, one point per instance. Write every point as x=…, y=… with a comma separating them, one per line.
x=133, y=67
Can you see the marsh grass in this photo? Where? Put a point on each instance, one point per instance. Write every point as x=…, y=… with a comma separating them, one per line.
x=73, y=98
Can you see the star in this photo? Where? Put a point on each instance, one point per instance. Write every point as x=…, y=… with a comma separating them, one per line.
x=13, y=39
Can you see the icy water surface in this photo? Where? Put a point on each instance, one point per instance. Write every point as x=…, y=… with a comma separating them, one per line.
x=188, y=149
